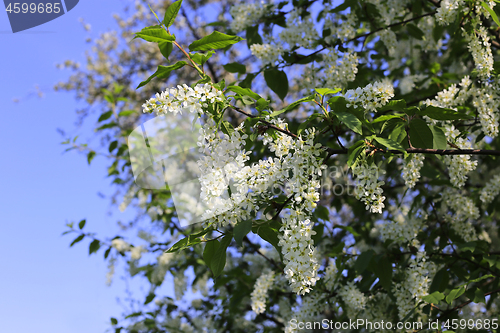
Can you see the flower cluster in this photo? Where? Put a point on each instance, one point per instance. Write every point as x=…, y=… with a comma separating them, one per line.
x=485, y=100
x=338, y=72
x=447, y=11
x=458, y=165
x=388, y=37
x=245, y=15
x=407, y=83
x=465, y=212
x=344, y=30
x=300, y=158
x=267, y=53
x=368, y=188
x=183, y=98
x=479, y=47
x=372, y=96
x=490, y=190
x=296, y=168
x=354, y=299
x=223, y=161
x=416, y=284
x=259, y=293
x=330, y=277
x=120, y=245
x=309, y=311
x=298, y=31
x=411, y=169
x=403, y=229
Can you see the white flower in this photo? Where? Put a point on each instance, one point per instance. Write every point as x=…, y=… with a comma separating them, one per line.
x=136, y=252
x=120, y=245
x=411, y=169
x=490, y=190
x=259, y=294
x=368, y=189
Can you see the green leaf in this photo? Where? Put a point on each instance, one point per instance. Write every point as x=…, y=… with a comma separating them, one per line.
x=184, y=243
x=454, y=294
x=270, y=235
x=440, y=281
x=105, y=116
x=234, y=67
x=81, y=224
x=166, y=49
x=76, y=240
x=487, y=276
x=293, y=105
x=163, y=72
x=326, y=91
x=398, y=133
x=469, y=246
x=219, y=259
x=94, y=246
x=392, y=145
x=395, y=105
x=149, y=298
x=155, y=35
x=114, y=321
x=355, y=152
x=90, y=156
x=388, y=117
x=492, y=13
x=209, y=251
x=241, y=230
x=437, y=113
x=363, y=261
x=277, y=81
x=306, y=123
x=350, y=121
x=171, y=13
x=433, y=298
x=201, y=58
x=253, y=37
x=438, y=138
x=216, y=40
x=126, y=113
x=420, y=134
x=414, y=31
x=112, y=146
x=243, y=92
x=227, y=128
x=476, y=295
x=383, y=270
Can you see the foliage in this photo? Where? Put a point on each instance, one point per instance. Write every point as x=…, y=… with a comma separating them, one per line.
x=365, y=143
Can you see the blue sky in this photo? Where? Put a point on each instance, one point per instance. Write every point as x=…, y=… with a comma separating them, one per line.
x=44, y=285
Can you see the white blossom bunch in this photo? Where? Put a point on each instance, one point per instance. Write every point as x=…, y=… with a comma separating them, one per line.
x=458, y=165
x=447, y=11
x=120, y=245
x=183, y=98
x=259, y=293
x=463, y=213
x=353, y=298
x=298, y=31
x=245, y=15
x=368, y=188
x=479, y=47
x=340, y=71
x=411, y=169
x=402, y=229
x=370, y=97
x=416, y=285
x=490, y=190
x=267, y=53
